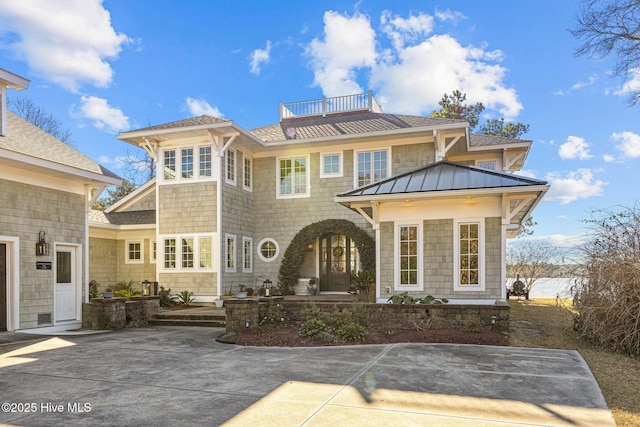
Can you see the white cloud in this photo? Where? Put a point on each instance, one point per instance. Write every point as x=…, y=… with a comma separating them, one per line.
x=449, y=15
x=629, y=143
x=574, y=148
x=412, y=75
x=200, y=107
x=260, y=56
x=67, y=42
x=104, y=116
x=632, y=85
x=592, y=79
x=575, y=186
x=349, y=44
x=608, y=158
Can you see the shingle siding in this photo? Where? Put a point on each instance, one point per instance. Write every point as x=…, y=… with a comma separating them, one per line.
x=25, y=210
x=187, y=208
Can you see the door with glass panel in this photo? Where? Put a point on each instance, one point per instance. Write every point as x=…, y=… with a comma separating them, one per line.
x=66, y=282
x=337, y=262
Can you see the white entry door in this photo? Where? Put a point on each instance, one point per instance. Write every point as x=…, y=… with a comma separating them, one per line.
x=66, y=283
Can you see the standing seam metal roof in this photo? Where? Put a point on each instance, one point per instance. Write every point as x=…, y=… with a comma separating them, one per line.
x=443, y=176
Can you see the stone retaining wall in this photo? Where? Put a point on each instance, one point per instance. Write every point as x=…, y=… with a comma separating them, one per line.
x=117, y=313
x=388, y=316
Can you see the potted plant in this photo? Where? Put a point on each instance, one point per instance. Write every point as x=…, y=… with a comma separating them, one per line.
x=108, y=293
x=313, y=286
x=242, y=293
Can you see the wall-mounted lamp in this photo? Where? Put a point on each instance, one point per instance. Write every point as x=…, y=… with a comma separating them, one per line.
x=42, y=247
x=146, y=287
x=267, y=287
x=310, y=247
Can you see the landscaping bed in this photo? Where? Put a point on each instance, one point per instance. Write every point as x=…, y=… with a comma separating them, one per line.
x=287, y=336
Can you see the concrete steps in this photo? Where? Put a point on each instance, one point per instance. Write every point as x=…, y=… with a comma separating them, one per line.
x=210, y=317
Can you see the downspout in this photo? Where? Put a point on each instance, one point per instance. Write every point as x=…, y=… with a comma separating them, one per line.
x=503, y=248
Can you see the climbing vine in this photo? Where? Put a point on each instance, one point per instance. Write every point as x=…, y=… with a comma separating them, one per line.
x=294, y=255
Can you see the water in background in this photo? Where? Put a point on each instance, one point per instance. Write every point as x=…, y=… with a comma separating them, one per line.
x=547, y=287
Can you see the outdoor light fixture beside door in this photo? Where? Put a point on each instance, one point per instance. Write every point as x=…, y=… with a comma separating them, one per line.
x=267, y=287
x=42, y=247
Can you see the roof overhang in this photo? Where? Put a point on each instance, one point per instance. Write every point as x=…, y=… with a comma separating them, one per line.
x=52, y=169
x=13, y=81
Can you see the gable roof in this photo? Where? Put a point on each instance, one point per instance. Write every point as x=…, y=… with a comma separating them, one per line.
x=192, y=121
x=144, y=217
x=442, y=176
x=26, y=143
x=352, y=123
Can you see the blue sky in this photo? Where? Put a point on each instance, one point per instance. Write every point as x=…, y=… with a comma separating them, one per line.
x=103, y=67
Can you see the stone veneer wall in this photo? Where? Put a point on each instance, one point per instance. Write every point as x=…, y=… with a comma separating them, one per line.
x=117, y=313
x=386, y=316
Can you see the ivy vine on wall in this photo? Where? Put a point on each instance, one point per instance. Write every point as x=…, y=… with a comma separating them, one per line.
x=294, y=255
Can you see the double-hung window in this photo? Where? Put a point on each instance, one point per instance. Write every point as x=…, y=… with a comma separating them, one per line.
x=187, y=252
x=169, y=165
x=247, y=255
x=293, y=177
x=408, y=241
x=330, y=165
x=371, y=166
x=230, y=166
x=469, y=254
x=187, y=163
x=247, y=175
x=230, y=253
x=205, y=161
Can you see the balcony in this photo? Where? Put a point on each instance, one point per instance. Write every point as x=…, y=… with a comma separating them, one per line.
x=324, y=106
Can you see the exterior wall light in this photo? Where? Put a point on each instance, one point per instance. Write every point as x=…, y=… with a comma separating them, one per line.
x=267, y=287
x=42, y=247
x=146, y=287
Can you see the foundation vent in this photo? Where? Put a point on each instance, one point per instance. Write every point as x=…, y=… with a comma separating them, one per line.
x=44, y=318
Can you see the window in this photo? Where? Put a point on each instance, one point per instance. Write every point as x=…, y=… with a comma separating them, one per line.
x=230, y=166
x=247, y=180
x=469, y=255
x=230, y=253
x=135, y=254
x=169, y=253
x=293, y=177
x=205, y=252
x=205, y=162
x=186, y=254
x=409, y=256
x=187, y=163
x=169, y=164
x=268, y=250
x=154, y=252
x=487, y=165
x=331, y=165
x=371, y=166
x=247, y=252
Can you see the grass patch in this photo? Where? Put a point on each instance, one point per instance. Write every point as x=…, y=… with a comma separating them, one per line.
x=545, y=323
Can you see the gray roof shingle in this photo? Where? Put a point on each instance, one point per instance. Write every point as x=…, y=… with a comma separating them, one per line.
x=442, y=176
x=144, y=217
x=25, y=138
x=193, y=121
x=344, y=124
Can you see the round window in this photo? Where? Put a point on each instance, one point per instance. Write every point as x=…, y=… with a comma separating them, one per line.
x=268, y=250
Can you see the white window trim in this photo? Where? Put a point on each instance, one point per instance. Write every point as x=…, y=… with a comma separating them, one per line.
x=244, y=165
x=307, y=178
x=196, y=253
x=355, y=163
x=340, y=168
x=495, y=163
x=152, y=259
x=194, y=247
x=228, y=237
x=396, y=256
x=480, y=287
x=235, y=167
x=259, y=251
x=205, y=177
x=196, y=166
x=126, y=255
x=246, y=240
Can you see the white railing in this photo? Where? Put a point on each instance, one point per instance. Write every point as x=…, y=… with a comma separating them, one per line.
x=324, y=106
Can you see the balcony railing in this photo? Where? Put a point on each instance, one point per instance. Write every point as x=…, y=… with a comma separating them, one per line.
x=324, y=106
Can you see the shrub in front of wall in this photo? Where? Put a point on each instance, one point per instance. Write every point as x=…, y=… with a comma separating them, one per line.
x=312, y=327
x=351, y=332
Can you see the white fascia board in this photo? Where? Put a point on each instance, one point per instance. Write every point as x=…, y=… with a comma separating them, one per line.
x=151, y=133
x=59, y=168
x=133, y=196
x=444, y=194
x=392, y=132
x=13, y=81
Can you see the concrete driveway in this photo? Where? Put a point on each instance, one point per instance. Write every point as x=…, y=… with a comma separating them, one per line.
x=167, y=376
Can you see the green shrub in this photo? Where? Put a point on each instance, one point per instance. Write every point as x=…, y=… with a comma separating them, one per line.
x=274, y=318
x=185, y=298
x=312, y=327
x=351, y=332
x=473, y=324
x=165, y=297
x=308, y=312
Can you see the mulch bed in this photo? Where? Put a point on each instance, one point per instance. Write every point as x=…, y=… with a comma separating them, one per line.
x=287, y=336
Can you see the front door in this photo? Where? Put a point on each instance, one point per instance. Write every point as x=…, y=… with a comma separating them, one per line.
x=65, y=283
x=337, y=261
x=3, y=286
